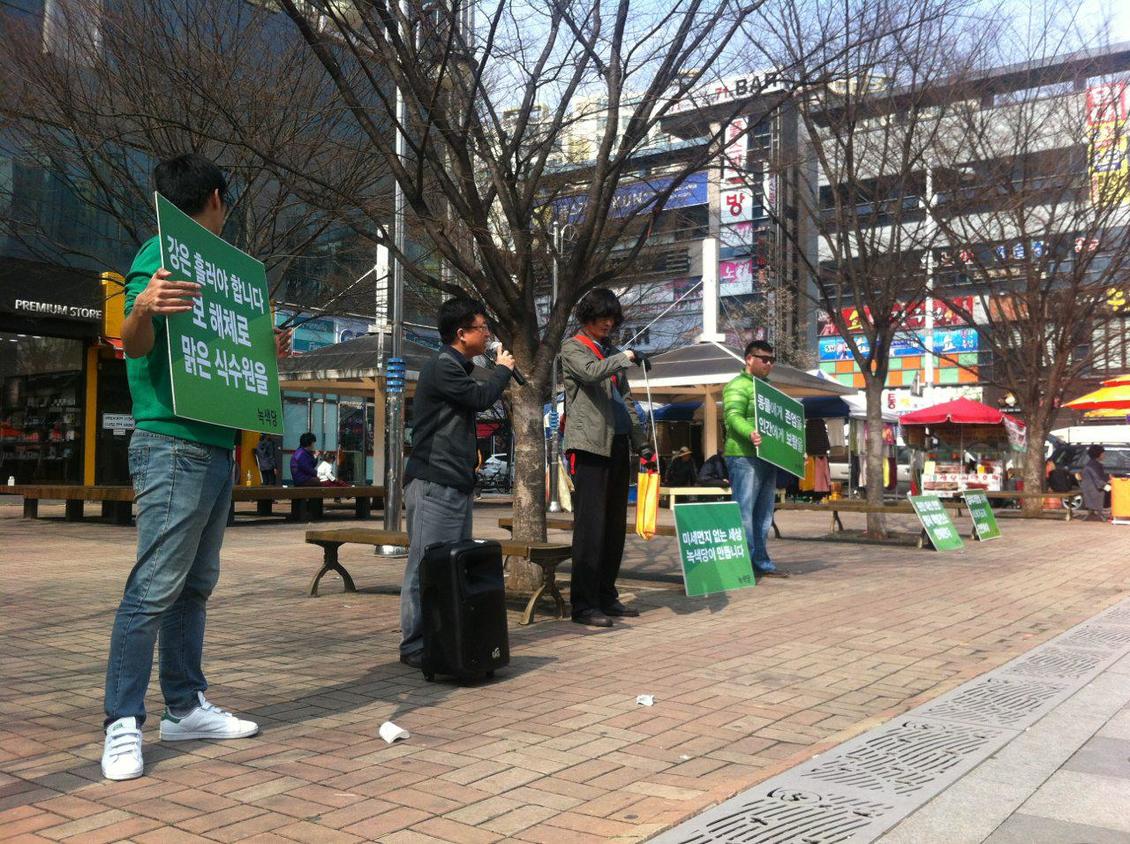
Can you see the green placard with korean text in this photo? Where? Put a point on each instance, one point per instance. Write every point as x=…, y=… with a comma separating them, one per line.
x=221, y=354
x=780, y=421
x=984, y=519
x=713, y=548
x=936, y=522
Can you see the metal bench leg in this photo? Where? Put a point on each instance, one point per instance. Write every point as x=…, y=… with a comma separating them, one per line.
x=297, y=510
x=123, y=512
x=548, y=588
x=74, y=509
x=776, y=530
x=108, y=509
x=363, y=507
x=263, y=506
x=31, y=508
x=317, y=509
x=330, y=563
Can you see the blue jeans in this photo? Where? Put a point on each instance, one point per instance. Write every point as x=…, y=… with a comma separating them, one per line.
x=436, y=513
x=183, y=492
x=753, y=484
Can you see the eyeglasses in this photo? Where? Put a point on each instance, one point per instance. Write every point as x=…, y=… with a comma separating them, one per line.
x=767, y=359
x=480, y=327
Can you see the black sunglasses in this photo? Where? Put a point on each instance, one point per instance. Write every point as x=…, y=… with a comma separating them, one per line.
x=772, y=359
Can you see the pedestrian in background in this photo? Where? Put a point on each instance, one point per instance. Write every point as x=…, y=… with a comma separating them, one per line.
x=1095, y=484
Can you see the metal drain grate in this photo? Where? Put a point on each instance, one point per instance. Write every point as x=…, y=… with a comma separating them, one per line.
x=1002, y=701
x=1094, y=636
x=786, y=816
x=904, y=759
x=1057, y=663
x=1119, y=615
x=864, y=787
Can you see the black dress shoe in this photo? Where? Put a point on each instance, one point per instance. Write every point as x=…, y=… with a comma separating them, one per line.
x=618, y=609
x=415, y=660
x=593, y=618
x=773, y=573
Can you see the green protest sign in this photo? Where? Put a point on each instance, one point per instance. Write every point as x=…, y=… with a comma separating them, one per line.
x=936, y=522
x=222, y=354
x=984, y=520
x=780, y=421
x=712, y=548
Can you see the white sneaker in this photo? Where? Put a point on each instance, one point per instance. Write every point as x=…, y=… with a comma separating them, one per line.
x=205, y=722
x=121, y=754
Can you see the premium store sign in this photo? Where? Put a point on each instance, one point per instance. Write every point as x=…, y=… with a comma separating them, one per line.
x=37, y=291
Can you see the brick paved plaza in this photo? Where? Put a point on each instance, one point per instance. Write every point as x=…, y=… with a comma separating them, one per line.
x=555, y=749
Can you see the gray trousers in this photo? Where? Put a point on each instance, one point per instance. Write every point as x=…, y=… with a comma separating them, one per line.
x=436, y=513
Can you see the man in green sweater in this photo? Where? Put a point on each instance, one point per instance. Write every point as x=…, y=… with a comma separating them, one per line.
x=182, y=479
x=753, y=481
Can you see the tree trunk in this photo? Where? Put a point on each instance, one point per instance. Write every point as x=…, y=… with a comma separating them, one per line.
x=529, y=481
x=875, y=456
x=1033, y=474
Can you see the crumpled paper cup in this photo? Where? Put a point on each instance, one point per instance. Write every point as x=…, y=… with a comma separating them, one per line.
x=390, y=732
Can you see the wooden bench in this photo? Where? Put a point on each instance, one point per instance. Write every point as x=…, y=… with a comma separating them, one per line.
x=674, y=493
x=1020, y=496
x=558, y=523
x=545, y=555
x=117, y=501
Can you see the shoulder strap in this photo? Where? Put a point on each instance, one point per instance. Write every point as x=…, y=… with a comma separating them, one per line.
x=593, y=347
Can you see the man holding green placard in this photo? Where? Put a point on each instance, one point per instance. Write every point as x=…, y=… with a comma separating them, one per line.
x=753, y=481
x=182, y=478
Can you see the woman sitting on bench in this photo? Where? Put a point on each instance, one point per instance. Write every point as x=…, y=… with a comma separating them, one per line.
x=304, y=464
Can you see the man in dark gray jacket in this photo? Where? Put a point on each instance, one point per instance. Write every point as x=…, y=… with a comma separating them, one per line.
x=601, y=422
x=440, y=473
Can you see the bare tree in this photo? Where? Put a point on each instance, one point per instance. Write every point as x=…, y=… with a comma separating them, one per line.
x=96, y=93
x=866, y=78
x=1037, y=228
x=493, y=92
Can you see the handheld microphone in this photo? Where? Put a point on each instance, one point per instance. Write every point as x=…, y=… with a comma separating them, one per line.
x=493, y=348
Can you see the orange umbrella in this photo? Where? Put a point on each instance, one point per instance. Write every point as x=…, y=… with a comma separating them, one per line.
x=1116, y=397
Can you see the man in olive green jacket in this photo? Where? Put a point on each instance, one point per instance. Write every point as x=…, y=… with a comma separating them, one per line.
x=753, y=481
x=600, y=422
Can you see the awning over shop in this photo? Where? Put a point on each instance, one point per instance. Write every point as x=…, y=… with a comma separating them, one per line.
x=352, y=367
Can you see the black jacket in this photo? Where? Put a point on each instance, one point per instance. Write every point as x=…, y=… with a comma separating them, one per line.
x=443, y=419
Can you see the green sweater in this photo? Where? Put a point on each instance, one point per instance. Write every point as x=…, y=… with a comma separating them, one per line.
x=149, y=382
x=738, y=413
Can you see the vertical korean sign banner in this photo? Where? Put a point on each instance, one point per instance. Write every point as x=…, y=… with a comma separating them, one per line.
x=780, y=421
x=222, y=354
x=1108, y=107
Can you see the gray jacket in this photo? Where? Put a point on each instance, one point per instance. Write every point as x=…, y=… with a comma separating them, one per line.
x=589, y=415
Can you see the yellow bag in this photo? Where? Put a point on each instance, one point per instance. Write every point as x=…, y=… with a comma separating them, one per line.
x=647, y=503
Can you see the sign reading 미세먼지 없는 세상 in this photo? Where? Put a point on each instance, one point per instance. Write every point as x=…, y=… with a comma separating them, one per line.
x=712, y=548
x=222, y=353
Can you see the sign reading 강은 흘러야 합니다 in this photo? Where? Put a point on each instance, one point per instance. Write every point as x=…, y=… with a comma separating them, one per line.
x=712, y=548
x=780, y=421
x=222, y=353
x=936, y=522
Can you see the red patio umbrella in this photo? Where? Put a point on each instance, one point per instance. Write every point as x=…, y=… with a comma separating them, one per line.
x=960, y=411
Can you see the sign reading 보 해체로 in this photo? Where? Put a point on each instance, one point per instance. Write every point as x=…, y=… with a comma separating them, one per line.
x=712, y=548
x=222, y=353
x=936, y=522
x=780, y=421
x=984, y=520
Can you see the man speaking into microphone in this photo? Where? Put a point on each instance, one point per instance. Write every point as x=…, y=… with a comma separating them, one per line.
x=440, y=473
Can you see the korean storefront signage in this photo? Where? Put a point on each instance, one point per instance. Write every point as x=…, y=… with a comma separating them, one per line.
x=936, y=522
x=780, y=421
x=712, y=548
x=1107, y=109
x=638, y=198
x=222, y=353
